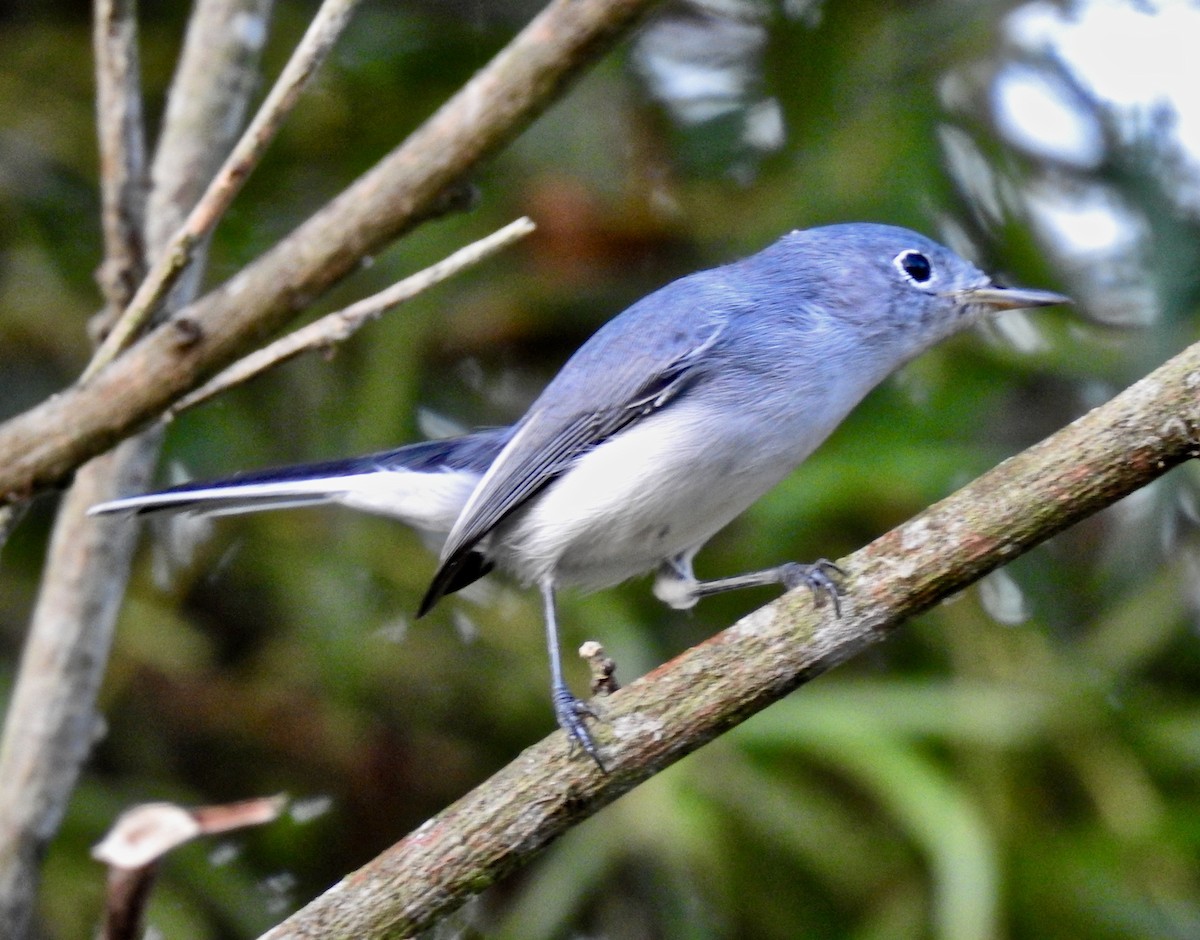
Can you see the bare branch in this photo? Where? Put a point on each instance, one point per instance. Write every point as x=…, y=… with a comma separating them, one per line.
x=322, y=33
x=123, y=180
x=51, y=721
x=338, y=327
x=43, y=445
x=1105, y=455
x=209, y=97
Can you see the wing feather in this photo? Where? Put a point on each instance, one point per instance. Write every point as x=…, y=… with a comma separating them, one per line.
x=636, y=365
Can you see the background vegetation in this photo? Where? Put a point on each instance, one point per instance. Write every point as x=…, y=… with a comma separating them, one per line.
x=1021, y=762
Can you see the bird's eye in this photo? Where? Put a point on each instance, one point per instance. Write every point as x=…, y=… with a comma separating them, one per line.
x=915, y=267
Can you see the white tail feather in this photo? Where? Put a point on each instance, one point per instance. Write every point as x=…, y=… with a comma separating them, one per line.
x=229, y=498
x=429, y=501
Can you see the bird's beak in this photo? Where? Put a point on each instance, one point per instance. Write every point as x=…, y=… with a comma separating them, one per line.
x=1008, y=298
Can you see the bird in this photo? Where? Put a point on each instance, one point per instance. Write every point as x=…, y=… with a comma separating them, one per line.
x=663, y=427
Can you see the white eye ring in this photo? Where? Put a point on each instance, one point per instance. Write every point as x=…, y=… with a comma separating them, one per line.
x=915, y=267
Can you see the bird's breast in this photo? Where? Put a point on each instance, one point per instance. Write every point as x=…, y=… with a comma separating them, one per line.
x=663, y=486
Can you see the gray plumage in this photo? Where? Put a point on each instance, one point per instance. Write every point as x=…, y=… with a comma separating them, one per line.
x=664, y=426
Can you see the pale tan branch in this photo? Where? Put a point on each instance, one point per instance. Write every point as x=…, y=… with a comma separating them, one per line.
x=339, y=326
x=123, y=180
x=174, y=258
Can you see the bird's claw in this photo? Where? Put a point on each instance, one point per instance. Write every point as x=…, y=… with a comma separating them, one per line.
x=570, y=713
x=816, y=577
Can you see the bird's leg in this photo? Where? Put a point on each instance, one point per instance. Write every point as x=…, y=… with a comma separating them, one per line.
x=678, y=586
x=568, y=710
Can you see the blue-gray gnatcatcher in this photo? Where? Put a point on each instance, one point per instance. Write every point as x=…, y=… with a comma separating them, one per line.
x=664, y=426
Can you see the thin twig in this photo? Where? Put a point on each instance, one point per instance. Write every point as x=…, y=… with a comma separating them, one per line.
x=651, y=723
x=340, y=326
x=319, y=39
x=123, y=181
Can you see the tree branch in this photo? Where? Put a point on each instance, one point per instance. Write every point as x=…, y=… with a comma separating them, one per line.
x=1103, y=456
x=339, y=326
x=174, y=258
x=42, y=446
x=51, y=721
x=50, y=724
x=123, y=182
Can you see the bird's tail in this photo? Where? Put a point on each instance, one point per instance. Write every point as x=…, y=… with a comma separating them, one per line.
x=424, y=485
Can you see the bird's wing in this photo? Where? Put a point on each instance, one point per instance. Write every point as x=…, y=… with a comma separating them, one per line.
x=617, y=378
x=550, y=440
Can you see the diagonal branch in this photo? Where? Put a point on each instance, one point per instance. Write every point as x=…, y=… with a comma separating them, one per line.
x=42, y=446
x=337, y=327
x=1105, y=455
x=178, y=253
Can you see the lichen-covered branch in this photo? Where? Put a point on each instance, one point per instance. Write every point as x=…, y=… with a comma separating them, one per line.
x=1105, y=455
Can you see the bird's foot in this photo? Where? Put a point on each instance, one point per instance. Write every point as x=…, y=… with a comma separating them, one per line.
x=571, y=713
x=817, y=578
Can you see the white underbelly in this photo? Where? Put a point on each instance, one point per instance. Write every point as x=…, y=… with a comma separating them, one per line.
x=662, y=487
x=426, y=500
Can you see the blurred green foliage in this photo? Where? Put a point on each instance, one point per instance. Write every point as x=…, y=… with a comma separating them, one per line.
x=968, y=779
